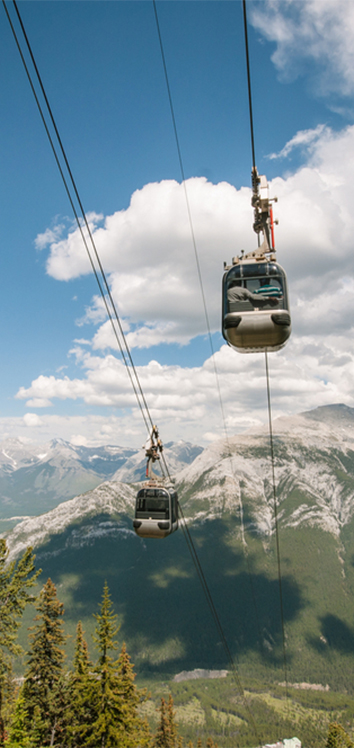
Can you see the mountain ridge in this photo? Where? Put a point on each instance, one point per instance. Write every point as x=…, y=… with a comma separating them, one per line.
x=216, y=481
x=36, y=477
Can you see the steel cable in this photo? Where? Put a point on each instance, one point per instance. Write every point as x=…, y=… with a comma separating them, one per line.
x=112, y=313
x=267, y=375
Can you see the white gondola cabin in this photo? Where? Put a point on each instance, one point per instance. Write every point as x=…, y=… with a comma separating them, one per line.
x=156, y=512
x=256, y=314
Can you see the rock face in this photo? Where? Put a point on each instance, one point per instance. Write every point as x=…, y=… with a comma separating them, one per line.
x=199, y=673
x=109, y=499
x=177, y=455
x=314, y=473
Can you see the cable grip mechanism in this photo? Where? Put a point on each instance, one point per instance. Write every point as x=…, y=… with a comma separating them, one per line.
x=153, y=449
x=263, y=216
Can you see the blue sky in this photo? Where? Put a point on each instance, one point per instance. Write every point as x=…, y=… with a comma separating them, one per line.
x=101, y=66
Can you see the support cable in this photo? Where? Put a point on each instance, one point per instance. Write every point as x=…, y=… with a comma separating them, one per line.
x=249, y=84
x=276, y=525
x=185, y=528
x=196, y=255
x=254, y=175
x=111, y=312
x=214, y=613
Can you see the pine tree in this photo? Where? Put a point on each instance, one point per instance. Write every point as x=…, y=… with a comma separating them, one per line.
x=173, y=727
x=81, y=656
x=167, y=731
x=79, y=713
x=43, y=689
x=18, y=735
x=15, y=581
x=136, y=730
x=162, y=737
x=106, y=730
x=337, y=737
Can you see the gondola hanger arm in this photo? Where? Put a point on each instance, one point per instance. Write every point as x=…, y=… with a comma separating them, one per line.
x=263, y=217
x=153, y=449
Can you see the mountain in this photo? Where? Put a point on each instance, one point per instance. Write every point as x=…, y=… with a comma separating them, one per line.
x=314, y=472
x=177, y=455
x=111, y=500
x=35, y=478
x=227, y=499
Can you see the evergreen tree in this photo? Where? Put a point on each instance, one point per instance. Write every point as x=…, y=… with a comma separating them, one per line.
x=18, y=735
x=167, y=731
x=43, y=689
x=337, y=737
x=15, y=581
x=173, y=727
x=81, y=656
x=79, y=713
x=136, y=730
x=162, y=737
x=107, y=727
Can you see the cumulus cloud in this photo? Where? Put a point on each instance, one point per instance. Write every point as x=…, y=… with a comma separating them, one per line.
x=147, y=250
x=49, y=236
x=184, y=401
x=68, y=253
x=39, y=402
x=318, y=31
x=148, y=254
x=90, y=429
x=32, y=419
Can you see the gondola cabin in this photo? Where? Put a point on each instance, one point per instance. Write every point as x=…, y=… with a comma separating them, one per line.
x=256, y=313
x=156, y=512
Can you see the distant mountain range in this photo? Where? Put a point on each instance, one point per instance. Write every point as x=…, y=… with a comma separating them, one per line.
x=36, y=478
x=227, y=497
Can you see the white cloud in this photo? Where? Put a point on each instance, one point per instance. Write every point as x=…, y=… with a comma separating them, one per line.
x=78, y=440
x=50, y=236
x=303, y=139
x=148, y=254
x=39, y=402
x=32, y=420
x=69, y=253
x=95, y=313
x=318, y=31
x=94, y=429
x=184, y=401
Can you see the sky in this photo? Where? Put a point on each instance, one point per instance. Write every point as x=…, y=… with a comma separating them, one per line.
x=60, y=371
